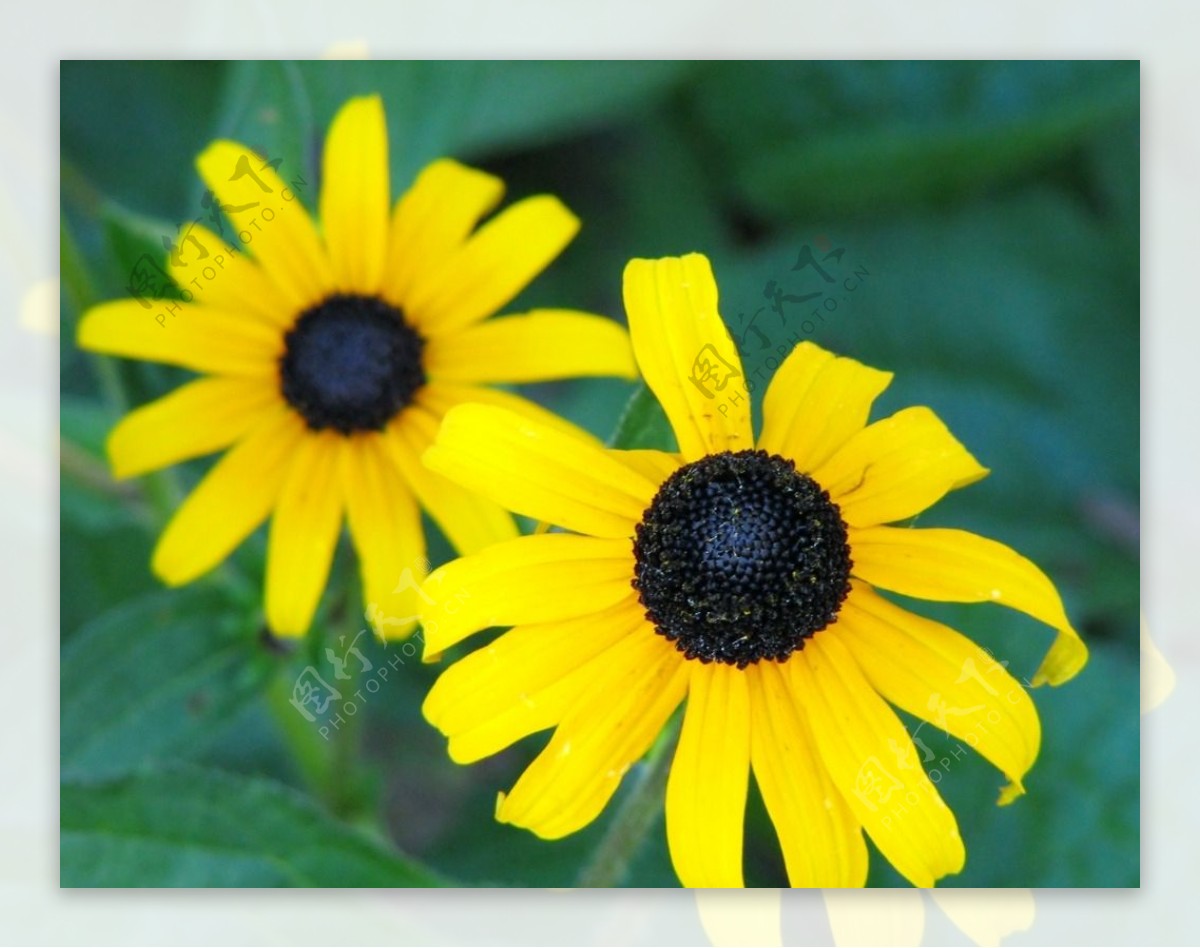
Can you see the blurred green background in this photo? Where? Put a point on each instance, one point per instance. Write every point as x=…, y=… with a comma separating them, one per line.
x=986, y=215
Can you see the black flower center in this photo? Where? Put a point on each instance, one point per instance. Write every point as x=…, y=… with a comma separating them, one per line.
x=351, y=363
x=741, y=558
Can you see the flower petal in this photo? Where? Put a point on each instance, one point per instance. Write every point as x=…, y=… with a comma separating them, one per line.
x=821, y=839
x=271, y=223
x=896, y=468
x=687, y=355
x=304, y=533
x=815, y=402
x=432, y=219
x=194, y=337
x=439, y=397
x=541, y=345
x=355, y=195
x=385, y=523
x=957, y=566
x=655, y=466
x=469, y=521
x=611, y=724
x=542, y=578
x=525, y=680
x=874, y=764
x=710, y=775
x=934, y=673
x=196, y=419
x=492, y=267
x=539, y=471
x=221, y=277
x=233, y=499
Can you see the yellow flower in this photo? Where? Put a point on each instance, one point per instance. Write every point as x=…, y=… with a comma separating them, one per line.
x=739, y=578
x=330, y=355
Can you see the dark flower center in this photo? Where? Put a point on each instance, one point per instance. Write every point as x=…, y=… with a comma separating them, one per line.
x=351, y=363
x=740, y=558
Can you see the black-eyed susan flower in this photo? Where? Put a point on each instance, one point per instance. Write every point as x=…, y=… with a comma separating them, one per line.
x=738, y=578
x=330, y=351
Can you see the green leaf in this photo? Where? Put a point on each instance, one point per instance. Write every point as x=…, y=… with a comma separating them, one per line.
x=158, y=677
x=892, y=134
x=193, y=827
x=643, y=424
x=436, y=108
x=133, y=128
x=521, y=102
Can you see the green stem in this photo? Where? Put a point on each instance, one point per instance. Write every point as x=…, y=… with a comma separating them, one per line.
x=623, y=840
x=326, y=750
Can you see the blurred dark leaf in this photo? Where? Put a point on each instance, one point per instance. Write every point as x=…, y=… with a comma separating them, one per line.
x=846, y=138
x=435, y=108
x=156, y=678
x=134, y=127
x=105, y=538
x=86, y=425
x=535, y=103
x=192, y=827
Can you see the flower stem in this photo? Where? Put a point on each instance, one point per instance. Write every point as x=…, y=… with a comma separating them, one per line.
x=623, y=840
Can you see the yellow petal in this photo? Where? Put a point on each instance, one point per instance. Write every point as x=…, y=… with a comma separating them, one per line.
x=304, y=534
x=492, y=267
x=194, y=337
x=218, y=276
x=269, y=220
x=815, y=403
x=956, y=566
x=934, y=673
x=706, y=790
x=432, y=219
x=687, y=355
x=196, y=419
x=524, y=681
x=469, y=521
x=539, y=471
x=233, y=499
x=896, y=468
x=541, y=345
x=355, y=195
x=386, y=526
x=439, y=397
x=611, y=724
x=543, y=578
x=655, y=466
x=822, y=841
x=874, y=764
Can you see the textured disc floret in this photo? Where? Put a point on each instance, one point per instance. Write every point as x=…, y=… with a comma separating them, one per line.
x=351, y=363
x=740, y=557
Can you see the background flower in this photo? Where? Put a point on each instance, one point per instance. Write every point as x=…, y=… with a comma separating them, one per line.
x=978, y=223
